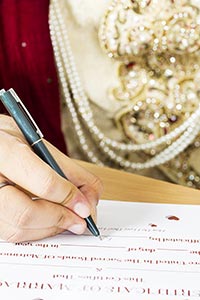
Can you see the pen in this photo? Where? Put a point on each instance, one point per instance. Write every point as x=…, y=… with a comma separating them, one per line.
x=34, y=137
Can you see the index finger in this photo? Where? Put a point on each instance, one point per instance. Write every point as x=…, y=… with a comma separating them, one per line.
x=87, y=182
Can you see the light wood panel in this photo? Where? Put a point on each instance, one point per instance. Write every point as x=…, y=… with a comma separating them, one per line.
x=119, y=185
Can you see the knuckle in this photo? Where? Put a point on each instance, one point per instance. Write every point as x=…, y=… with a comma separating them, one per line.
x=71, y=193
x=17, y=149
x=10, y=145
x=16, y=144
x=48, y=185
x=97, y=185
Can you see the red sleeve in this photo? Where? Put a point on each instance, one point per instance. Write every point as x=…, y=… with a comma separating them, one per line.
x=27, y=63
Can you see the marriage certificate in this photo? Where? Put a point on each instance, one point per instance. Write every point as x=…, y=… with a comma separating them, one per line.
x=147, y=251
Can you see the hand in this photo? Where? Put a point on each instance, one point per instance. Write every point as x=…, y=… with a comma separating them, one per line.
x=62, y=204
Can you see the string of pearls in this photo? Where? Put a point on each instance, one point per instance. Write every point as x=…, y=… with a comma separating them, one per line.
x=79, y=106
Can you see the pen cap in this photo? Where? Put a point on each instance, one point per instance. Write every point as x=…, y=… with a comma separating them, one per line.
x=22, y=117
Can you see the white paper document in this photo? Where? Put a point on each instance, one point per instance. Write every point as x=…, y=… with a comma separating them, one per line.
x=147, y=251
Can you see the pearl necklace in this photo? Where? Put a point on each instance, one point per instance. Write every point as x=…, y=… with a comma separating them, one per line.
x=79, y=107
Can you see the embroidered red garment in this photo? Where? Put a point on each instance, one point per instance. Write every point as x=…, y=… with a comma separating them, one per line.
x=27, y=63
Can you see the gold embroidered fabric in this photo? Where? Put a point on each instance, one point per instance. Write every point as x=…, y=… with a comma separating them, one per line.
x=154, y=127
x=158, y=45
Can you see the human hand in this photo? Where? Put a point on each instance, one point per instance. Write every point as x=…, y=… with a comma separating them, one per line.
x=61, y=204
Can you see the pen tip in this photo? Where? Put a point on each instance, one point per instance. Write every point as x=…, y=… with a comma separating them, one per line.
x=100, y=237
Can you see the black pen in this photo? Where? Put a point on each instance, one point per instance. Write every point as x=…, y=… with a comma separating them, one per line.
x=34, y=137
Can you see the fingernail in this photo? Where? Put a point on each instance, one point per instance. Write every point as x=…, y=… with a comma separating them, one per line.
x=77, y=228
x=82, y=210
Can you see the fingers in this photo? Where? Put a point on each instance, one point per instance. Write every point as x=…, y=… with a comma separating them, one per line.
x=89, y=184
x=21, y=165
x=8, y=125
x=16, y=235
x=23, y=219
x=75, y=173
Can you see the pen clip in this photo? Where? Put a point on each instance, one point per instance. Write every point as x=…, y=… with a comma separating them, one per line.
x=26, y=112
x=2, y=91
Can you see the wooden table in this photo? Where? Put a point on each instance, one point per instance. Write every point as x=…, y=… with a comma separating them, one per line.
x=119, y=185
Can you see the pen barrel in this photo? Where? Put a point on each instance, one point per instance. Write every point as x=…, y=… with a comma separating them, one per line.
x=42, y=151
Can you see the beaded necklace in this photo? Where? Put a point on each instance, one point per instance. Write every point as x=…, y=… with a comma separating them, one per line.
x=167, y=146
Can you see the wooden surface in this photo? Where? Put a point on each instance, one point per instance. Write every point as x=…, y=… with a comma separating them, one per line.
x=120, y=185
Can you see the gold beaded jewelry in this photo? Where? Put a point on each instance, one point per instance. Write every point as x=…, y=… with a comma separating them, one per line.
x=159, y=73
x=158, y=47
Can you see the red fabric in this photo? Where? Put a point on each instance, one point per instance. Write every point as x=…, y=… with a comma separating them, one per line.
x=27, y=63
